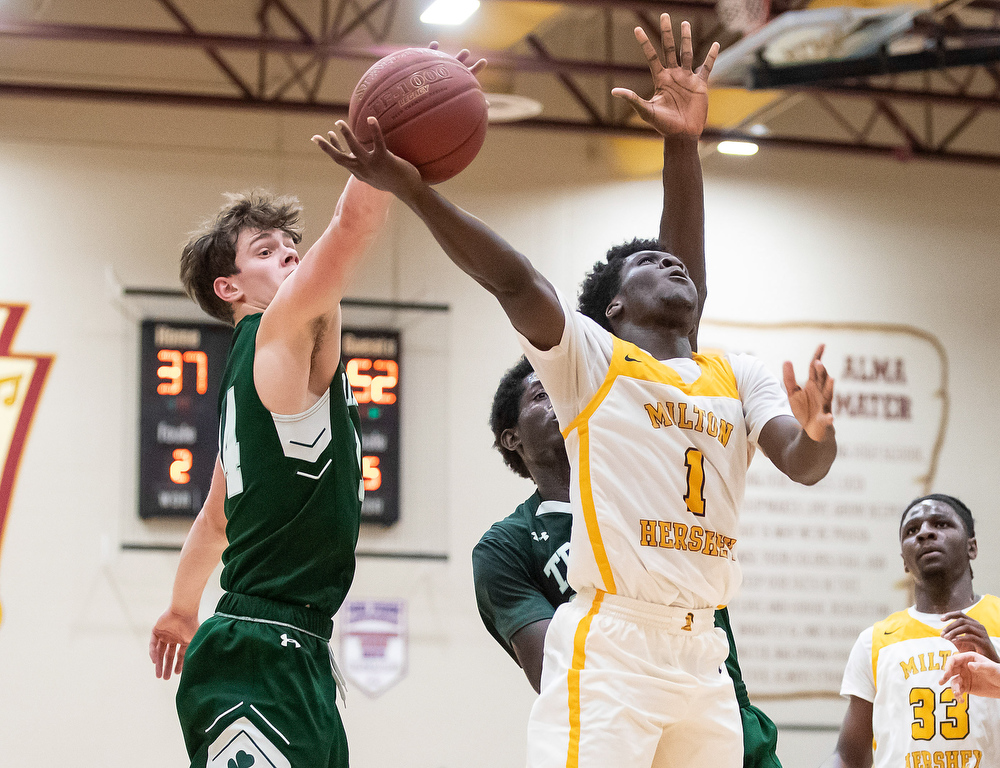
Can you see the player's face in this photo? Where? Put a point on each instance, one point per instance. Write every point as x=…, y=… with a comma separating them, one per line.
x=656, y=282
x=537, y=426
x=934, y=541
x=264, y=259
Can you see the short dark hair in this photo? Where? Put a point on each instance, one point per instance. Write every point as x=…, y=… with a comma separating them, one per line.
x=602, y=283
x=960, y=509
x=506, y=410
x=211, y=251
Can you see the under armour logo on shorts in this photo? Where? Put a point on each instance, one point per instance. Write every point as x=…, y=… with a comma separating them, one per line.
x=286, y=640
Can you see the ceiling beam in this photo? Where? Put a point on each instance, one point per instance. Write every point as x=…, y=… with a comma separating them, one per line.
x=340, y=110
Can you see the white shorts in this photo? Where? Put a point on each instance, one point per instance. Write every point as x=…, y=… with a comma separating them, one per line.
x=629, y=683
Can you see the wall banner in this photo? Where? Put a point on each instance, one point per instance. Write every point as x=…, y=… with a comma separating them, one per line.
x=22, y=378
x=374, y=642
x=821, y=563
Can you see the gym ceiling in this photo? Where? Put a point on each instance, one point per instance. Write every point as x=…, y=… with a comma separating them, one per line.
x=883, y=78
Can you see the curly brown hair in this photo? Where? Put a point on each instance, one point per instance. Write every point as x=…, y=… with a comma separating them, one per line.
x=211, y=251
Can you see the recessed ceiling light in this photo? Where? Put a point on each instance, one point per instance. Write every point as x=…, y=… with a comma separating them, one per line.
x=449, y=12
x=737, y=148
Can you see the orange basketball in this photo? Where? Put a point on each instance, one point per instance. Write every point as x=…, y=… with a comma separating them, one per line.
x=430, y=107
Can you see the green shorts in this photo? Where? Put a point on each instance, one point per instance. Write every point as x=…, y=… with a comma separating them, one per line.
x=760, y=739
x=257, y=689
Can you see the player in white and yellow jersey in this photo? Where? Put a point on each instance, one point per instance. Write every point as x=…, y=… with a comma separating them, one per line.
x=899, y=699
x=659, y=440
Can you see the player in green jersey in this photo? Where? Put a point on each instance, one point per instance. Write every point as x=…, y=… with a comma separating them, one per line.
x=519, y=565
x=257, y=678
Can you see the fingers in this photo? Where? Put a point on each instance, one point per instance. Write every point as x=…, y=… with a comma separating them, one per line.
x=652, y=59
x=377, y=137
x=351, y=140
x=667, y=41
x=788, y=373
x=641, y=106
x=478, y=67
x=331, y=146
x=434, y=45
x=156, y=655
x=178, y=668
x=168, y=661
x=706, y=68
x=687, y=47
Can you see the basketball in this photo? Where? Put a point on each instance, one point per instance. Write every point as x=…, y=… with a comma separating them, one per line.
x=430, y=107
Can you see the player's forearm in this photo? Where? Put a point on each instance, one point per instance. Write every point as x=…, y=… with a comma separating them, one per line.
x=200, y=554
x=475, y=248
x=361, y=208
x=682, y=222
x=806, y=460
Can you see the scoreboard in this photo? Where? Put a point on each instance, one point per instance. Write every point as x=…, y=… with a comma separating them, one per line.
x=180, y=370
x=372, y=359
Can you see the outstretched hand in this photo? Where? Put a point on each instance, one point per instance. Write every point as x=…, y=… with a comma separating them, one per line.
x=812, y=404
x=463, y=56
x=377, y=167
x=679, y=104
x=169, y=642
x=971, y=672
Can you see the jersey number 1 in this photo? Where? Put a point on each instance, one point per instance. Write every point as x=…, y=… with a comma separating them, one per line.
x=694, y=460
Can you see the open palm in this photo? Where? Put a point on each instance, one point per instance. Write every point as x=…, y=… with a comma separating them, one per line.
x=679, y=104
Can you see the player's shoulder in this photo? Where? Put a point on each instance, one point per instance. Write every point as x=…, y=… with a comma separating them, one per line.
x=511, y=530
x=900, y=626
x=987, y=613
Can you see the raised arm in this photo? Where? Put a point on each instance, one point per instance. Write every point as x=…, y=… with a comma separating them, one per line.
x=526, y=296
x=678, y=110
x=804, y=447
x=200, y=554
x=316, y=287
x=854, y=745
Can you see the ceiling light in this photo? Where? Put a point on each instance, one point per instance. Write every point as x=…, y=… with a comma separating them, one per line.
x=737, y=148
x=449, y=12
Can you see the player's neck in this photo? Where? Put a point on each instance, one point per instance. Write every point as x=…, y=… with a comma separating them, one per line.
x=943, y=597
x=661, y=343
x=553, y=483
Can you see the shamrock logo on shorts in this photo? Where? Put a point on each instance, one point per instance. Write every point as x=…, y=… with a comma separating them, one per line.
x=242, y=760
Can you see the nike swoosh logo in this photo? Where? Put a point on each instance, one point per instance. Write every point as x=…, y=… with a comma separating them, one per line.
x=890, y=631
x=630, y=359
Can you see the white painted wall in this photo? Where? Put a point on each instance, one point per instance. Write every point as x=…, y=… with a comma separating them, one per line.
x=90, y=187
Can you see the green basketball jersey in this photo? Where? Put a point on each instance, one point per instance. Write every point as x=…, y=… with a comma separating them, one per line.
x=519, y=567
x=293, y=488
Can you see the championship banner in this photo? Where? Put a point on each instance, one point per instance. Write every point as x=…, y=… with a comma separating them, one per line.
x=22, y=377
x=821, y=563
x=374, y=643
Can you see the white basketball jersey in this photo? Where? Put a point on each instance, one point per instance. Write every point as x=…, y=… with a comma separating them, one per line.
x=659, y=463
x=916, y=721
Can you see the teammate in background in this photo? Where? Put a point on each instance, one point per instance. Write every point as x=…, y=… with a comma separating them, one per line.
x=520, y=563
x=893, y=676
x=659, y=439
x=257, y=678
x=971, y=672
